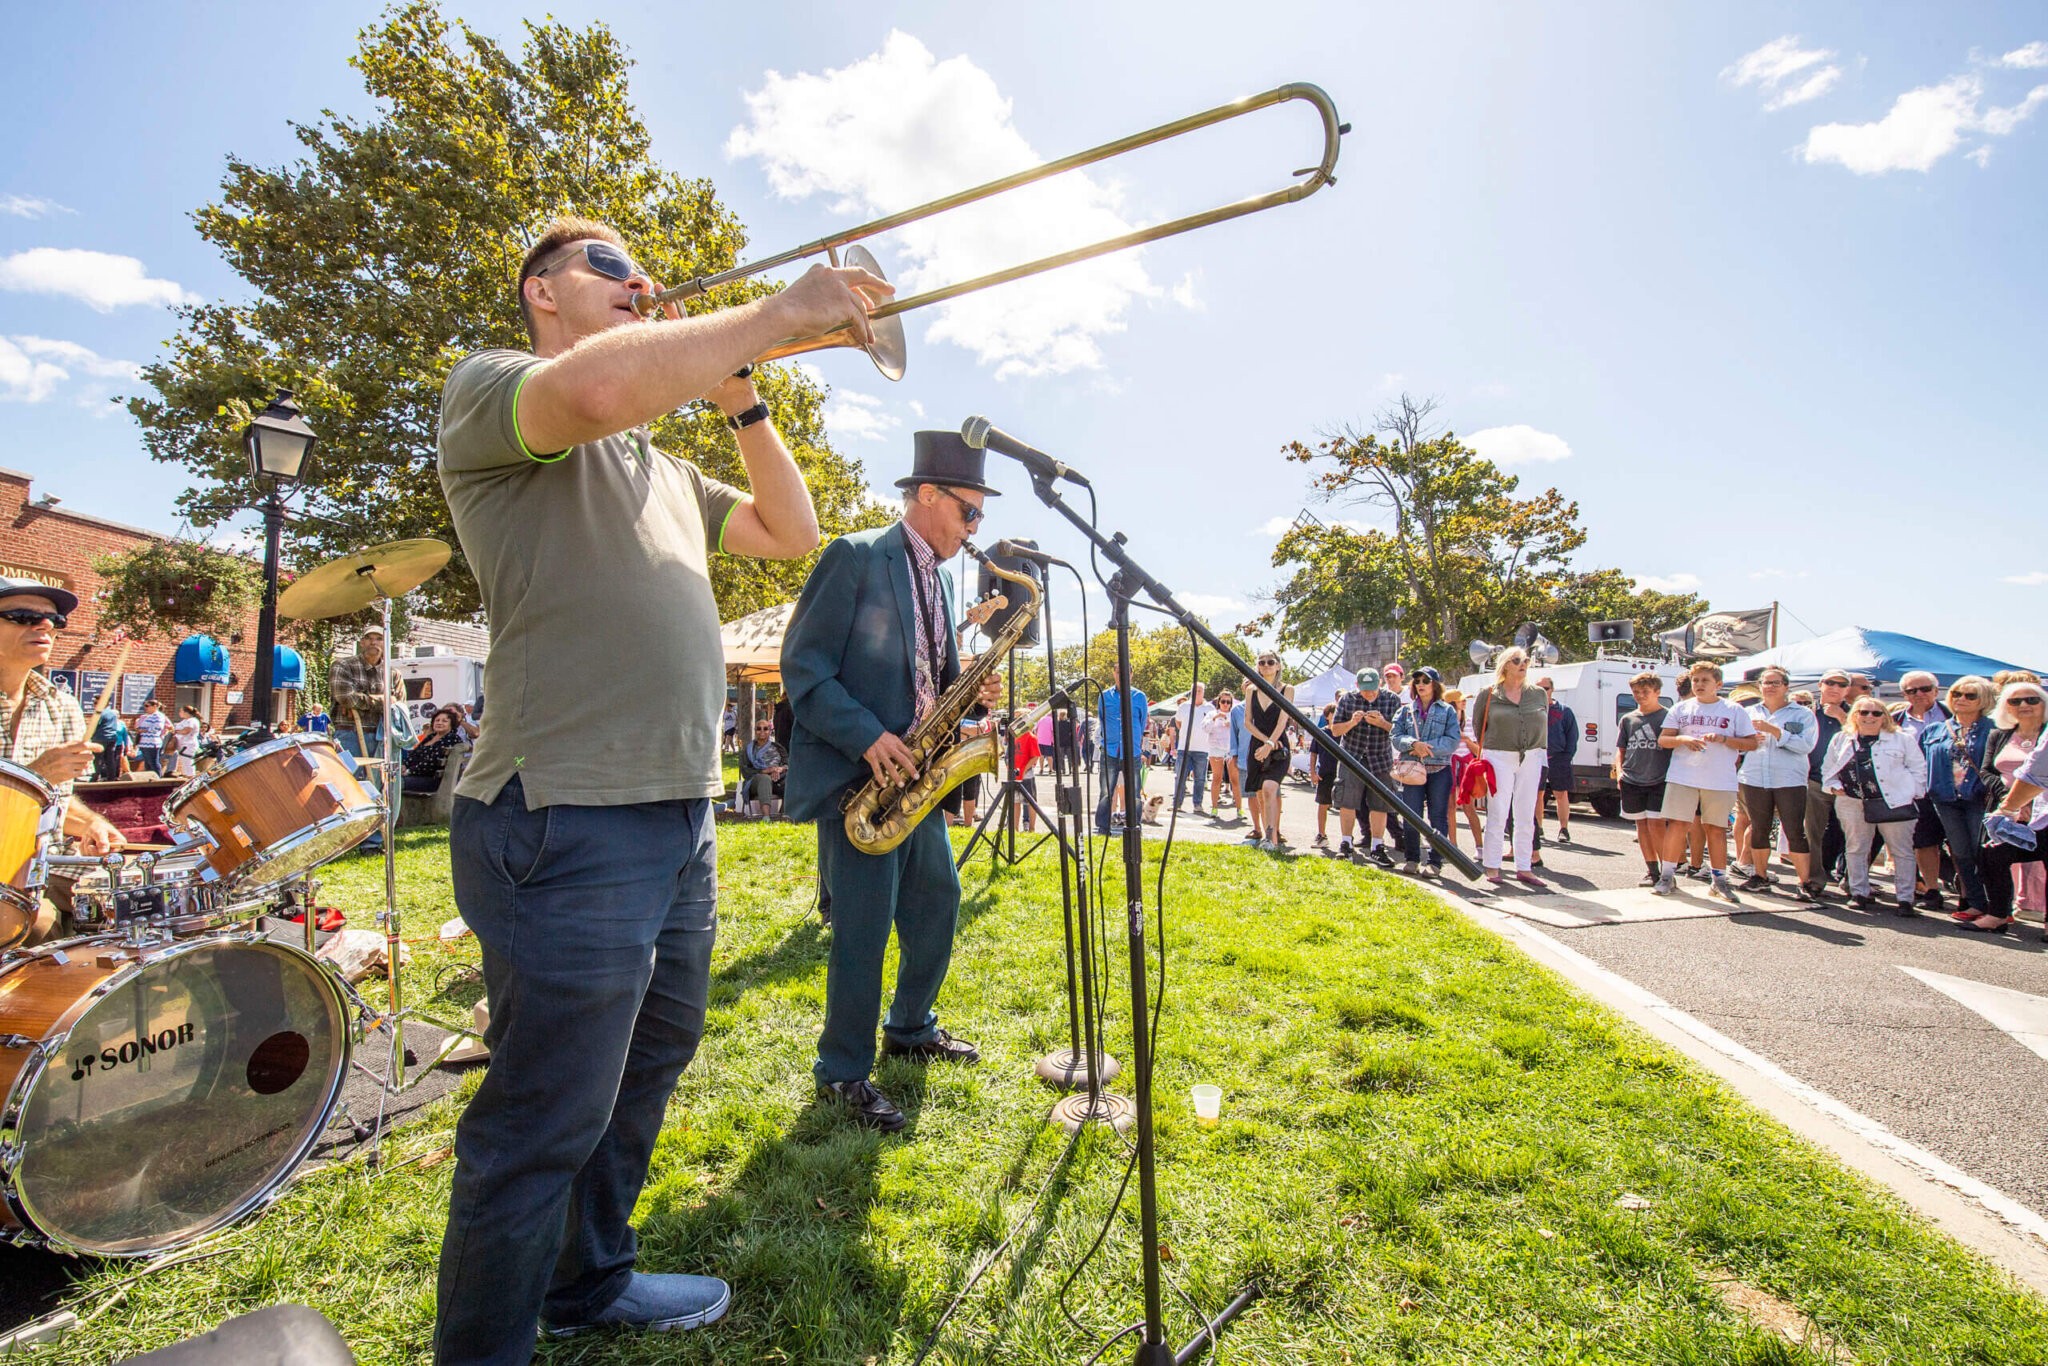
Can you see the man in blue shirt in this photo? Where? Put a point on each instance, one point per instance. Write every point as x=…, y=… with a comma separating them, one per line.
x=1110, y=710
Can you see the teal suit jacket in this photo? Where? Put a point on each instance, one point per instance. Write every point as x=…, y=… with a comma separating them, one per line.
x=849, y=667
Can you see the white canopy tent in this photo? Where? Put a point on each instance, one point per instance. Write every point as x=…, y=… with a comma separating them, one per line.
x=753, y=644
x=1313, y=694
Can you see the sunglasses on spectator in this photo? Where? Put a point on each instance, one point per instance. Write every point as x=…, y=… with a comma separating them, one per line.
x=1834, y=682
x=2020, y=701
x=1870, y=711
x=1924, y=687
x=968, y=510
x=1968, y=696
x=25, y=616
x=602, y=257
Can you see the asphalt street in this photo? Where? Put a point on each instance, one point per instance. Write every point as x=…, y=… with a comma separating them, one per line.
x=1929, y=1030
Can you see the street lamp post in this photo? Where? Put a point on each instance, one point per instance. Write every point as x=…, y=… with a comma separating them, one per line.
x=278, y=441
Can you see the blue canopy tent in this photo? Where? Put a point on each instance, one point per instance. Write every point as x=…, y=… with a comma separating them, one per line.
x=1884, y=655
x=199, y=659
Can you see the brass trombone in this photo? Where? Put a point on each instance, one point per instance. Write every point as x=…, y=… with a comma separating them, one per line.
x=888, y=351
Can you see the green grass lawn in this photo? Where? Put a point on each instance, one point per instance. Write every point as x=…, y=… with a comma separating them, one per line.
x=1423, y=1146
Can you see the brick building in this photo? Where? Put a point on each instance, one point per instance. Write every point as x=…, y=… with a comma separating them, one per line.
x=39, y=539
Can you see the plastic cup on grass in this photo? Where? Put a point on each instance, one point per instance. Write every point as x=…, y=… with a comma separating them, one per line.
x=1208, y=1102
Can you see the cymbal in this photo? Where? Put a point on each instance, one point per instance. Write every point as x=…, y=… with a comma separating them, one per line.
x=353, y=582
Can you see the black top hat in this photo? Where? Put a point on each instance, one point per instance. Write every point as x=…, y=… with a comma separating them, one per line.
x=943, y=458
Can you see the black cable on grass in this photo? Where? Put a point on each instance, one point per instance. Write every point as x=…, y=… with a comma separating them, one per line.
x=995, y=1253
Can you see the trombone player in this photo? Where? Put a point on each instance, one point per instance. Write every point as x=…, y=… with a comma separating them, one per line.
x=581, y=839
x=869, y=652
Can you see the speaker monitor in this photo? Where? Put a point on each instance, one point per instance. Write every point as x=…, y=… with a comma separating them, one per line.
x=989, y=583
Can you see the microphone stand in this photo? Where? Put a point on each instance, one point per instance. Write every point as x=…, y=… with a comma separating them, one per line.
x=1124, y=585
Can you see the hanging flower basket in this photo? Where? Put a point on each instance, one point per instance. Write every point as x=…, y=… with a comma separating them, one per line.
x=177, y=587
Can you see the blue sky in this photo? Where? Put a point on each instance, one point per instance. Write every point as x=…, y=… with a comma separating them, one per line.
x=1761, y=286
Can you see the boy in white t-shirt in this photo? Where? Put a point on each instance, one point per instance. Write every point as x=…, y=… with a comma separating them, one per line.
x=1704, y=735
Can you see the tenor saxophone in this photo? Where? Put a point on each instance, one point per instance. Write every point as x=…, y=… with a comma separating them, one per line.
x=881, y=815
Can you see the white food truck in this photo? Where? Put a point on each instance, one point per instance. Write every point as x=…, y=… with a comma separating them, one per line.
x=433, y=680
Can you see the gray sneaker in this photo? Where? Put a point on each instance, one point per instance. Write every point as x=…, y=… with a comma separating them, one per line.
x=1667, y=885
x=1719, y=890
x=656, y=1304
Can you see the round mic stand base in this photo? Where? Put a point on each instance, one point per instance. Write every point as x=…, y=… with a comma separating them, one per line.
x=1068, y=1069
x=1102, y=1108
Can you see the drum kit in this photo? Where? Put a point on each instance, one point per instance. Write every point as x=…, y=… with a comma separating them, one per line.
x=165, y=1069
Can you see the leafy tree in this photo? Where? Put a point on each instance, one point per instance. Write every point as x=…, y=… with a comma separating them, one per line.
x=390, y=250
x=1457, y=553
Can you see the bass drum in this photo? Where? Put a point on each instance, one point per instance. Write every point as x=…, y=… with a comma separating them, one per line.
x=157, y=1093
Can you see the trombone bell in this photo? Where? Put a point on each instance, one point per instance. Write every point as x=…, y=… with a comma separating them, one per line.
x=888, y=351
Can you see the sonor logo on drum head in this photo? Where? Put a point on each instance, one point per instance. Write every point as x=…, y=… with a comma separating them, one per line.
x=107, y=1059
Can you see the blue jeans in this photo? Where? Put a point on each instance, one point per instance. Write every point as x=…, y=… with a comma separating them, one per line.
x=1429, y=801
x=912, y=888
x=1199, y=764
x=596, y=924
x=1112, y=769
x=1962, y=824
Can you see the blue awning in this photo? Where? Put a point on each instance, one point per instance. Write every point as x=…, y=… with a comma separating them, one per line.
x=199, y=659
x=287, y=670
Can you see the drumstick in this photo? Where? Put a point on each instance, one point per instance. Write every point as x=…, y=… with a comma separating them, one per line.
x=113, y=679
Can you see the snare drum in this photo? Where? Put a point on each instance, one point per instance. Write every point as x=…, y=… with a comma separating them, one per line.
x=194, y=900
x=31, y=816
x=157, y=1092
x=277, y=810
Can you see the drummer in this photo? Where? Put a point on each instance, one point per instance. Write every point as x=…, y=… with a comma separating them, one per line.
x=41, y=727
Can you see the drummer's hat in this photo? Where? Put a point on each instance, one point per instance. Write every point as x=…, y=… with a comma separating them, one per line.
x=63, y=601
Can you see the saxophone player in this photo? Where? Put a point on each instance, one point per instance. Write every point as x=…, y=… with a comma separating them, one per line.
x=869, y=651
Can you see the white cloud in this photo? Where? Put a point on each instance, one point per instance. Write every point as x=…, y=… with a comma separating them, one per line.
x=2032, y=57
x=900, y=127
x=1669, y=583
x=101, y=281
x=916, y=409
x=1211, y=604
x=1518, y=445
x=1921, y=128
x=859, y=417
x=32, y=368
x=1272, y=526
x=2032, y=579
x=1786, y=72
x=30, y=206
x=24, y=379
x=1185, y=294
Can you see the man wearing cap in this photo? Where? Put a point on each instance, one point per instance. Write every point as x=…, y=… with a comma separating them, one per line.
x=581, y=836
x=869, y=651
x=41, y=726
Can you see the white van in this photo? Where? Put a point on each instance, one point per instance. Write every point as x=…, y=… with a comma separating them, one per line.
x=1597, y=692
x=433, y=681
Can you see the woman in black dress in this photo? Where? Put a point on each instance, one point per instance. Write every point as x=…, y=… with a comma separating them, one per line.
x=1270, y=751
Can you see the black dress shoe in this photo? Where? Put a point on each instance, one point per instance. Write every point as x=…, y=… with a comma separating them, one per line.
x=941, y=1047
x=868, y=1107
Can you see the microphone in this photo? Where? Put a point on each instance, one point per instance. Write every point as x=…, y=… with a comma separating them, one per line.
x=1017, y=550
x=982, y=434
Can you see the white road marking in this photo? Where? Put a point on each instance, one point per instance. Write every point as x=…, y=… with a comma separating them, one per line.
x=1614, y=906
x=2018, y=1014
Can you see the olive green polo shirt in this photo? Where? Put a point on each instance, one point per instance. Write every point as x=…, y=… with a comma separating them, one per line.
x=606, y=677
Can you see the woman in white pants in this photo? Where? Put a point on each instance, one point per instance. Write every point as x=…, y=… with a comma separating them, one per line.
x=1508, y=726
x=1875, y=771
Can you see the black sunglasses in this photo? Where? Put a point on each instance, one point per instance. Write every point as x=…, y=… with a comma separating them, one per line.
x=972, y=513
x=1968, y=696
x=23, y=616
x=602, y=257
x=1924, y=687
x=2010, y=701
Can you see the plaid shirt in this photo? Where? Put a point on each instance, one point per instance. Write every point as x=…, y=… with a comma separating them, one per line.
x=352, y=692
x=49, y=717
x=1366, y=742
x=931, y=619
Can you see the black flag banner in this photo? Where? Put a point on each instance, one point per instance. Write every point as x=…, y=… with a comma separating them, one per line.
x=1724, y=635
